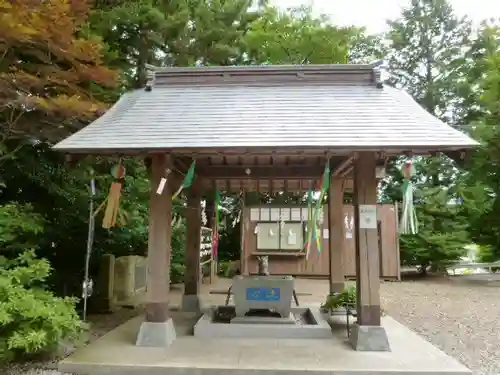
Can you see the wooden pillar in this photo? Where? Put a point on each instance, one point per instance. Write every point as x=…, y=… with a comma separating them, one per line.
x=159, y=242
x=158, y=329
x=366, y=239
x=336, y=234
x=190, y=300
x=210, y=212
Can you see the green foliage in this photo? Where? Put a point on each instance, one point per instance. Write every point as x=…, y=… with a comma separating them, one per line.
x=346, y=298
x=427, y=52
x=33, y=320
x=442, y=232
x=228, y=268
x=486, y=254
x=178, y=260
x=172, y=33
x=297, y=36
x=20, y=228
x=428, y=58
x=484, y=96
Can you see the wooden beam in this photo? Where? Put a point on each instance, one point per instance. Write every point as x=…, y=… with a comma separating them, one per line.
x=366, y=241
x=344, y=165
x=235, y=172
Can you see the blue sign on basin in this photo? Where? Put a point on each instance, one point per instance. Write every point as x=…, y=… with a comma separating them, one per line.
x=263, y=294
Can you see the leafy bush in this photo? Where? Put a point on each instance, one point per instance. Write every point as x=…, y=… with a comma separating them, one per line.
x=32, y=320
x=178, y=260
x=486, y=254
x=228, y=268
x=20, y=228
x=347, y=297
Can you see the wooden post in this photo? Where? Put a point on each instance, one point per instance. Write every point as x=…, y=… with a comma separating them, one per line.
x=398, y=251
x=159, y=252
x=244, y=222
x=191, y=299
x=210, y=212
x=366, y=239
x=367, y=334
x=336, y=234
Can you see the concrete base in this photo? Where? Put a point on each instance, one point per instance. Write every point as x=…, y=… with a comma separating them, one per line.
x=369, y=338
x=157, y=335
x=263, y=320
x=318, y=328
x=116, y=354
x=191, y=303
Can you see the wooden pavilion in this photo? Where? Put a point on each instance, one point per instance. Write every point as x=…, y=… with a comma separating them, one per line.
x=264, y=128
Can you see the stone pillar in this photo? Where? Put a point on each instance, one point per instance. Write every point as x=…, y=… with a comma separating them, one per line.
x=191, y=297
x=367, y=333
x=158, y=329
x=336, y=234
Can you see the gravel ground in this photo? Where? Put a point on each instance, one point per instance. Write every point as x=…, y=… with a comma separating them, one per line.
x=462, y=319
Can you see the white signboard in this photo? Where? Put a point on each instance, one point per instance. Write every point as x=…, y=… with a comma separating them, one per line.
x=367, y=216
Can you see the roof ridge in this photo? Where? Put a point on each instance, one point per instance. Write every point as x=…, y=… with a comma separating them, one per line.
x=354, y=74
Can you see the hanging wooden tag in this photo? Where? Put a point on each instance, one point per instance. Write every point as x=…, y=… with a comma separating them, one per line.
x=161, y=186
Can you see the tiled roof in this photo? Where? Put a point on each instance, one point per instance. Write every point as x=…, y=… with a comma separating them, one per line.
x=332, y=110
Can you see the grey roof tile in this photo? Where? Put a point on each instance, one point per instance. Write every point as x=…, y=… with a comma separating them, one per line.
x=327, y=116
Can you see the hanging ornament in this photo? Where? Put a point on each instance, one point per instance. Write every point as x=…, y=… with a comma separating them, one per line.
x=113, y=213
x=282, y=220
x=408, y=222
x=203, y=217
x=118, y=172
x=163, y=182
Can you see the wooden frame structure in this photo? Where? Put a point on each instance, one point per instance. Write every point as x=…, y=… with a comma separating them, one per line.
x=295, y=262
x=264, y=129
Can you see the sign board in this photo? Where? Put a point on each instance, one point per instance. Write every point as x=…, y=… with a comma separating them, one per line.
x=263, y=294
x=367, y=216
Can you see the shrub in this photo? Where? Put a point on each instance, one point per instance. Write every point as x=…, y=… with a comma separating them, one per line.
x=347, y=297
x=228, y=268
x=20, y=228
x=486, y=254
x=32, y=320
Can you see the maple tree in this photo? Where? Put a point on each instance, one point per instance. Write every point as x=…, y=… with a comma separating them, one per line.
x=52, y=76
